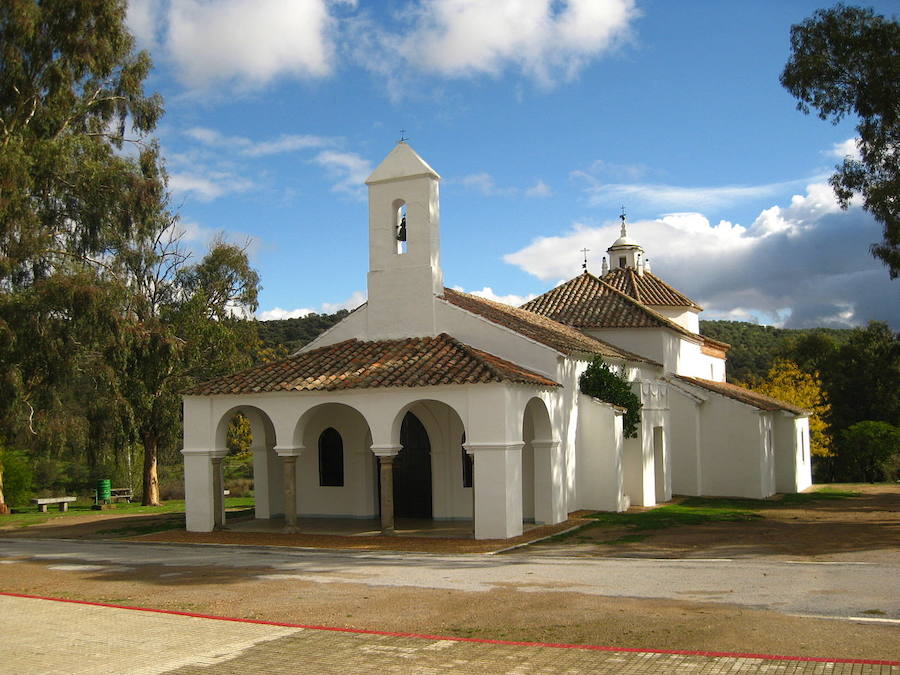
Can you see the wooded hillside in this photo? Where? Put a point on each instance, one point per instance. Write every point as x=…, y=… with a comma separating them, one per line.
x=754, y=348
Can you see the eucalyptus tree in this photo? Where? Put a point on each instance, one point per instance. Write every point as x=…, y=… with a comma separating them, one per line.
x=103, y=316
x=846, y=61
x=71, y=98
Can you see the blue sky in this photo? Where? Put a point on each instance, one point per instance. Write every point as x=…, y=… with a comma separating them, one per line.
x=543, y=117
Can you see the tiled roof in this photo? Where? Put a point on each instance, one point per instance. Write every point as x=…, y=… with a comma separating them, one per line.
x=560, y=337
x=588, y=302
x=354, y=364
x=747, y=396
x=647, y=288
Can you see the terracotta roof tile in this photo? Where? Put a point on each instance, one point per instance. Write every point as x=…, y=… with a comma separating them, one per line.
x=589, y=302
x=747, y=396
x=539, y=328
x=354, y=364
x=647, y=288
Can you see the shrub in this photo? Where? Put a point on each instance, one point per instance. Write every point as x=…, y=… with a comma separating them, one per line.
x=869, y=451
x=601, y=382
x=17, y=477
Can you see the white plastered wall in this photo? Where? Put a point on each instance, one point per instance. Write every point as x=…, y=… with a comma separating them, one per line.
x=689, y=319
x=685, y=437
x=356, y=498
x=793, y=467
x=599, y=447
x=736, y=450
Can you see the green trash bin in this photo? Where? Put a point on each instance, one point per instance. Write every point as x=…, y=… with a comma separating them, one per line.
x=104, y=490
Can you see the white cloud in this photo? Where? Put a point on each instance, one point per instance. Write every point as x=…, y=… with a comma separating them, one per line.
x=675, y=197
x=354, y=301
x=278, y=313
x=805, y=263
x=208, y=187
x=539, y=189
x=547, y=40
x=485, y=183
x=848, y=148
x=348, y=168
x=245, y=43
x=509, y=299
x=143, y=19
x=250, y=148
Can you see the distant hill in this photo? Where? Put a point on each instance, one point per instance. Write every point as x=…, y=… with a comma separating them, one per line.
x=753, y=347
x=294, y=333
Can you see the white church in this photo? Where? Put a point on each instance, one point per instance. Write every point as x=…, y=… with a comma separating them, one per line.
x=426, y=402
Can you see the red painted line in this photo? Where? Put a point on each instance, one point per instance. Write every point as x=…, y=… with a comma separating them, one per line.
x=422, y=636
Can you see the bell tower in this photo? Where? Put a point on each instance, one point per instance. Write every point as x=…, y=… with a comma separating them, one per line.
x=404, y=247
x=625, y=252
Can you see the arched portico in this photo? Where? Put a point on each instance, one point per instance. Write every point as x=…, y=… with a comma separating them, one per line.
x=267, y=469
x=427, y=464
x=543, y=499
x=350, y=494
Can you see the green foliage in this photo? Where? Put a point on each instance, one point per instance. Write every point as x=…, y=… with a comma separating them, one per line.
x=755, y=348
x=862, y=377
x=846, y=61
x=294, y=333
x=238, y=437
x=15, y=477
x=103, y=320
x=867, y=451
x=600, y=382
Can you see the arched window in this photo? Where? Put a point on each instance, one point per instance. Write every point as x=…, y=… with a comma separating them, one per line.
x=331, y=458
x=468, y=465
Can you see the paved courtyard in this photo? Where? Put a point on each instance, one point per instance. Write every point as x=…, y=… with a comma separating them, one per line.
x=48, y=636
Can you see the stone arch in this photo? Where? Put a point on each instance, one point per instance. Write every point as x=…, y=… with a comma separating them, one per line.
x=445, y=430
x=356, y=495
x=267, y=473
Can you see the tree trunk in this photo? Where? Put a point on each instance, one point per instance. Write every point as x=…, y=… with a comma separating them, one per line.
x=151, y=478
x=4, y=509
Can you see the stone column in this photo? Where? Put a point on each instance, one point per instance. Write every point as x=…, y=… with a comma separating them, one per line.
x=289, y=464
x=386, y=476
x=385, y=455
x=218, y=497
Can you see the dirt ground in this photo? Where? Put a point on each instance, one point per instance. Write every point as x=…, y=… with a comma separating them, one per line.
x=867, y=527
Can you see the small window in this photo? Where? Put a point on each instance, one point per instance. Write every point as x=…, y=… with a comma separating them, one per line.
x=331, y=459
x=622, y=261
x=468, y=465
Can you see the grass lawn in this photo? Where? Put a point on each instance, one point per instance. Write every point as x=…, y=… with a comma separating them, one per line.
x=696, y=511
x=29, y=515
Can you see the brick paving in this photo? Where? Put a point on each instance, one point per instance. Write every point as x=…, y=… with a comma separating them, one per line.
x=46, y=636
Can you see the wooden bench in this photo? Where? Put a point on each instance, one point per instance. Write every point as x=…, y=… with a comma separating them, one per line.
x=43, y=502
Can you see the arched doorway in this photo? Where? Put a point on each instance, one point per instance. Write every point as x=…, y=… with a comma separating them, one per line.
x=412, y=471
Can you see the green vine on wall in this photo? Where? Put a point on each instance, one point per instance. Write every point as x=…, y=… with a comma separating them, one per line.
x=601, y=382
